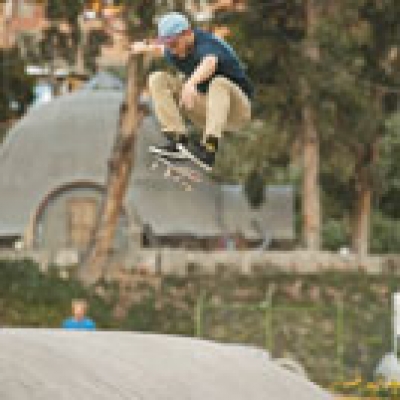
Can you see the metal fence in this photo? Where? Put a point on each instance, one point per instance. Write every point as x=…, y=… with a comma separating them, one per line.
x=326, y=340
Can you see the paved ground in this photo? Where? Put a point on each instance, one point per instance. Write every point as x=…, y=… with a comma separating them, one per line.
x=65, y=365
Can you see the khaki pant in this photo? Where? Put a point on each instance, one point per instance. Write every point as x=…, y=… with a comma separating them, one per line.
x=224, y=108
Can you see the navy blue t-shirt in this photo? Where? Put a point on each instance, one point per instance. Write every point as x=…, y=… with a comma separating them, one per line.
x=229, y=65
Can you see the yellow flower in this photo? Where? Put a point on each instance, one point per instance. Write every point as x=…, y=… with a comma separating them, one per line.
x=372, y=386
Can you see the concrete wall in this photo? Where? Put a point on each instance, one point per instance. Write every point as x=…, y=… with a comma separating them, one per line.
x=182, y=262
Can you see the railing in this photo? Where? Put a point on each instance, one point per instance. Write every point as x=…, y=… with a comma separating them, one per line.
x=319, y=337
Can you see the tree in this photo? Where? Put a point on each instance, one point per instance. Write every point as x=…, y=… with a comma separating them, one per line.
x=140, y=17
x=67, y=39
x=61, y=39
x=361, y=42
x=17, y=86
x=311, y=204
x=277, y=40
x=121, y=161
x=119, y=171
x=95, y=39
x=319, y=68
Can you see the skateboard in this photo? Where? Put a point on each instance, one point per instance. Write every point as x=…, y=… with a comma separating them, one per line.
x=179, y=171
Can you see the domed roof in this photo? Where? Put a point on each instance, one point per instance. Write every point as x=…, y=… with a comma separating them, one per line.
x=66, y=140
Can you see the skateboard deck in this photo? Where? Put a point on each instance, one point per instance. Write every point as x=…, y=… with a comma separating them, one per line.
x=179, y=171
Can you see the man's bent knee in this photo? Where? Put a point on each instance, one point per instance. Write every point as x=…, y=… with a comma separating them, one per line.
x=220, y=82
x=158, y=77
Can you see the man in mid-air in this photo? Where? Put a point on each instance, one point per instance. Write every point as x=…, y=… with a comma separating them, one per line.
x=213, y=90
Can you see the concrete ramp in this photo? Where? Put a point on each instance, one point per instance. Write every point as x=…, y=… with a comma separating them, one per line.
x=38, y=364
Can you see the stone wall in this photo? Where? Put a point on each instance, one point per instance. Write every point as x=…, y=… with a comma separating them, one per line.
x=182, y=262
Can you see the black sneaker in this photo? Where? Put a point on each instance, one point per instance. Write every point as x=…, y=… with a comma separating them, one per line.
x=170, y=151
x=202, y=154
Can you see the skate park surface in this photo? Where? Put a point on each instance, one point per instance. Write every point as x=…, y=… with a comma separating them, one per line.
x=41, y=364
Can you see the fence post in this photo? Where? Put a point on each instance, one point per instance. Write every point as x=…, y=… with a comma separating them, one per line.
x=269, y=340
x=199, y=315
x=340, y=338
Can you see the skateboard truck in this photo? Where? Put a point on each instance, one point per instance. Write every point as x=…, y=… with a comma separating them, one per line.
x=182, y=174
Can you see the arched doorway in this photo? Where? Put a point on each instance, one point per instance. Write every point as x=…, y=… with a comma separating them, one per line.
x=67, y=217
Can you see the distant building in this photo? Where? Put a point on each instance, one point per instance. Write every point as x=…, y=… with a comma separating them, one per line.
x=53, y=166
x=18, y=18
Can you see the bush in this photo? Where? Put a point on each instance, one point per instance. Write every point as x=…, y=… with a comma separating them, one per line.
x=334, y=235
x=31, y=298
x=385, y=234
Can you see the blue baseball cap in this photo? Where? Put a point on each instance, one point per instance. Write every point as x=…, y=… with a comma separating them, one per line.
x=171, y=25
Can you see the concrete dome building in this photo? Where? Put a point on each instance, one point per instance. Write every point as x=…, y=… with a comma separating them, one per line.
x=53, y=166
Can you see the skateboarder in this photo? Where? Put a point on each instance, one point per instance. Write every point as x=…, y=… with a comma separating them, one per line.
x=213, y=90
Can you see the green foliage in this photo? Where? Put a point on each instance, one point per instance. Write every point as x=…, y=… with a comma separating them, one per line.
x=140, y=18
x=254, y=189
x=67, y=10
x=96, y=38
x=304, y=320
x=17, y=88
x=335, y=235
x=350, y=78
x=386, y=234
x=30, y=298
x=389, y=188
x=56, y=45
x=262, y=148
x=268, y=36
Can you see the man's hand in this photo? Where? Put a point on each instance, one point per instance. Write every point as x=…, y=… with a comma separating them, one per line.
x=144, y=47
x=204, y=71
x=188, y=95
x=139, y=48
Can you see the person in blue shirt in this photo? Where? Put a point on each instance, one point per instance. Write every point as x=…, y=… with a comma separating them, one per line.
x=79, y=321
x=213, y=89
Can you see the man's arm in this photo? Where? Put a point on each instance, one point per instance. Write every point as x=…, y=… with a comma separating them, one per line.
x=203, y=72
x=146, y=47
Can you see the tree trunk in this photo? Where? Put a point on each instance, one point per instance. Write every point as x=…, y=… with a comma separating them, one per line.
x=360, y=239
x=367, y=157
x=119, y=171
x=310, y=194
x=80, y=67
